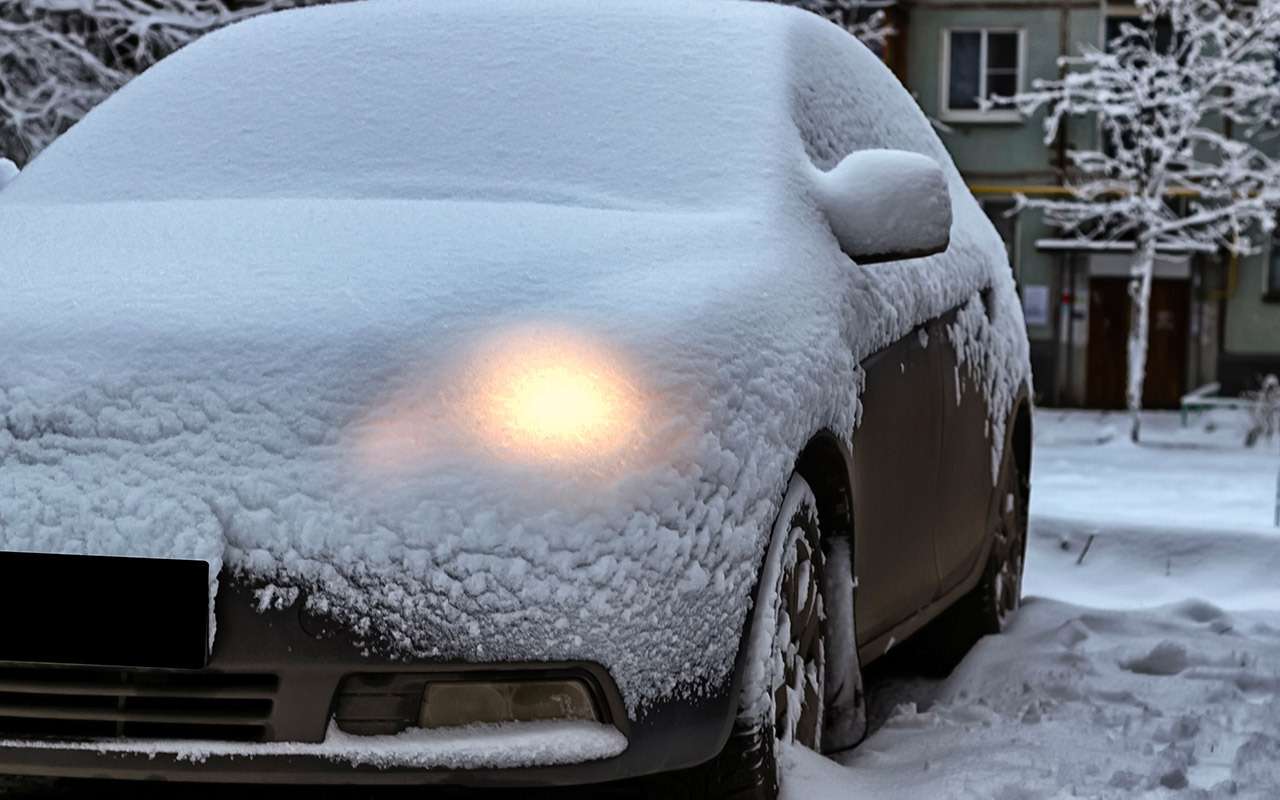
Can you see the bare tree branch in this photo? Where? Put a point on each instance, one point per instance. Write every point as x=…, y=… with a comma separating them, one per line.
x=60, y=58
x=865, y=19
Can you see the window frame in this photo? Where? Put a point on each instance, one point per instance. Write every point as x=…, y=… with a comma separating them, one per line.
x=949, y=114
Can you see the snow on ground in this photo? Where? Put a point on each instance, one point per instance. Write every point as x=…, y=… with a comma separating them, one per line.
x=1149, y=669
x=1077, y=702
x=1194, y=477
x=1188, y=513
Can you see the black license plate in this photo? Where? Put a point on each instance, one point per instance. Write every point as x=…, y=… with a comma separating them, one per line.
x=104, y=610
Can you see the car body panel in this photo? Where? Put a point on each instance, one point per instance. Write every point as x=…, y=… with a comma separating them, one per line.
x=966, y=472
x=311, y=656
x=895, y=474
x=308, y=662
x=964, y=578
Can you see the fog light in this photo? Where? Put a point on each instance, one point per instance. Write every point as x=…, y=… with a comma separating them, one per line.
x=453, y=703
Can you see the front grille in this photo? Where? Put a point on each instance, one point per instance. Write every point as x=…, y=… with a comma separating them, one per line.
x=54, y=702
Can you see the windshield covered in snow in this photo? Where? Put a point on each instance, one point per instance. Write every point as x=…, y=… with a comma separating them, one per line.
x=449, y=101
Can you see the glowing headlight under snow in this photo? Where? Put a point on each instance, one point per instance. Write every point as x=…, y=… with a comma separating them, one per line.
x=539, y=396
x=556, y=398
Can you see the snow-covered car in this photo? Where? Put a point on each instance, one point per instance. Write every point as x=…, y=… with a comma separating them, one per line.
x=495, y=394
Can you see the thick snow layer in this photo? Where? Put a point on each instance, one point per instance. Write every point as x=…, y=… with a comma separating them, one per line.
x=1150, y=669
x=510, y=745
x=1150, y=565
x=868, y=216
x=1197, y=476
x=1187, y=513
x=295, y=330
x=568, y=104
x=1076, y=702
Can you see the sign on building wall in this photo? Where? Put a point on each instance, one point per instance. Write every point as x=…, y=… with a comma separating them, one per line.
x=1035, y=304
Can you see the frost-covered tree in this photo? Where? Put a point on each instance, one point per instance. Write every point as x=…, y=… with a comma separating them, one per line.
x=60, y=58
x=865, y=19
x=1264, y=411
x=1178, y=100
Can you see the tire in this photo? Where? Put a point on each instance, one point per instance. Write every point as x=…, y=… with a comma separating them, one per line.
x=1000, y=590
x=788, y=682
x=988, y=608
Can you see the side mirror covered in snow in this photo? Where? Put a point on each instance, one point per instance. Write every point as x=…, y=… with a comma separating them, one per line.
x=886, y=205
x=8, y=171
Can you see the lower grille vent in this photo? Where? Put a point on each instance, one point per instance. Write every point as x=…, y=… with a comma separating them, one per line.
x=53, y=702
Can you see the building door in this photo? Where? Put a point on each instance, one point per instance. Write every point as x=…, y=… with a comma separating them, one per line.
x=1109, y=336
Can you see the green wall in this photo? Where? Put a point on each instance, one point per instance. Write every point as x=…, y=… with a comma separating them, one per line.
x=1252, y=324
x=993, y=154
x=996, y=154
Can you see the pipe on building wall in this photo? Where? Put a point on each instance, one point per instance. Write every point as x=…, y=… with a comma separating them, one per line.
x=1064, y=46
x=1233, y=280
x=1071, y=328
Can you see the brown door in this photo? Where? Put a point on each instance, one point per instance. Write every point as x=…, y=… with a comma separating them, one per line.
x=1109, y=336
x=895, y=480
x=964, y=474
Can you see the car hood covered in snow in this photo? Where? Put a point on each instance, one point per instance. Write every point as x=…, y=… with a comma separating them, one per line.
x=329, y=389
x=281, y=389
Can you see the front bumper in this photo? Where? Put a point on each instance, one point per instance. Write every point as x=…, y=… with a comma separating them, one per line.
x=263, y=709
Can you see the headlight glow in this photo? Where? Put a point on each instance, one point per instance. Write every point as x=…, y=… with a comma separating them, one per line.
x=539, y=396
x=556, y=399
x=558, y=404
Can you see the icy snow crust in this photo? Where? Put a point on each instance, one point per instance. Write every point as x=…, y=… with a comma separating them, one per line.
x=1176, y=701
x=255, y=305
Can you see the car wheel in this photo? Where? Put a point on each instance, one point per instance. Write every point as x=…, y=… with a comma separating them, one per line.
x=799, y=640
x=784, y=684
x=1000, y=590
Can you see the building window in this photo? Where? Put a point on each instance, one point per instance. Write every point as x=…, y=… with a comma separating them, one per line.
x=980, y=65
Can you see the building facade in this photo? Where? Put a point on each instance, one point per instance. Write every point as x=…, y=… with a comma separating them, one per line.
x=1214, y=318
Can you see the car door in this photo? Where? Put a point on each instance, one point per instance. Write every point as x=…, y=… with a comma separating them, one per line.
x=965, y=482
x=895, y=477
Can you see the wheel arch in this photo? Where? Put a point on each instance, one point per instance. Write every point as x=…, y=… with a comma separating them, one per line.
x=825, y=463
x=1018, y=444
x=1019, y=441
x=1022, y=437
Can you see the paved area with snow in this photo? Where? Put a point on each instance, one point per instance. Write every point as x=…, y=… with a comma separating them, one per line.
x=1150, y=668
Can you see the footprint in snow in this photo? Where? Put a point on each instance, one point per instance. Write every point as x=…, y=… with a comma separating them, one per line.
x=1199, y=611
x=1166, y=658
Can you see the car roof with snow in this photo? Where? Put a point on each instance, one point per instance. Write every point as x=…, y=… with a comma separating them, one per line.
x=452, y=99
